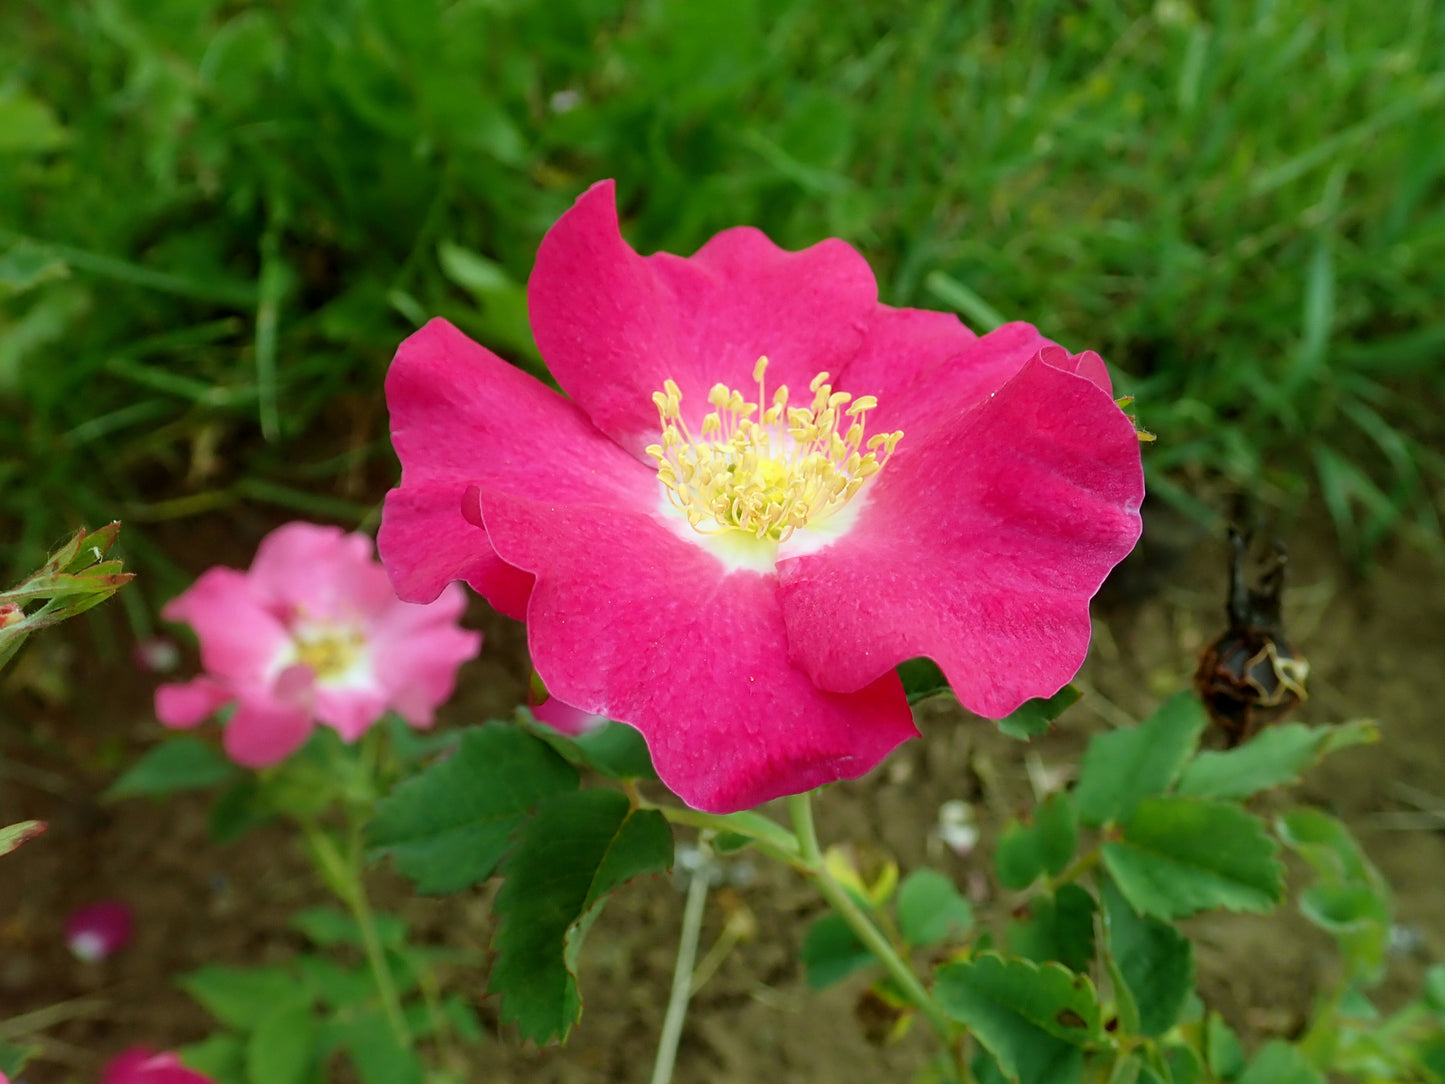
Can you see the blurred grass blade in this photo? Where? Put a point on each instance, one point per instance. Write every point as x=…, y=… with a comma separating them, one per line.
x=982, y=316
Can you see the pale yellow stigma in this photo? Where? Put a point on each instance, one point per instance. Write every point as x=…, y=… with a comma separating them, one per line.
x=767, y=471
x=331, y=653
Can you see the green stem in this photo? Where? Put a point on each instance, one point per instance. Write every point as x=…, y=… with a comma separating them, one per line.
x=343, y=873
x=681, y=979
x=1080, y=866
x=800, y=805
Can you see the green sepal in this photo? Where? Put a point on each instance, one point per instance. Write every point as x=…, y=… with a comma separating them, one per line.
x=922, y=679
x=1037, y=716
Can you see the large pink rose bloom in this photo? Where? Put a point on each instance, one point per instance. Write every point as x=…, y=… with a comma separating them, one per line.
x=735, y=570
x=139, y=1065
x=312, y=633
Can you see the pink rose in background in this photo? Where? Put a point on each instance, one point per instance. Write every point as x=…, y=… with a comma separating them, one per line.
x=312, y=632
x=765, y=491
x=140, y=1065
x=99, y=930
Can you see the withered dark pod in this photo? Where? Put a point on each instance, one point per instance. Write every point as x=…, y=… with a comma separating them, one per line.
x=1251, y=676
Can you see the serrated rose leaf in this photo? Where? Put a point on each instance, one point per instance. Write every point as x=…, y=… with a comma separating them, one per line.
x=1154, y=960
x=576, y=849
x=1124, y=766
x=1179, y=856
x=1058, y=928
x=1032, y=1018
x=448, y=827
x=1277, y=756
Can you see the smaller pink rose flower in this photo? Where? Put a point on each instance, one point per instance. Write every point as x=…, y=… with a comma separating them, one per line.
x=312, y=632
x=141, y=1065
x=99, y=930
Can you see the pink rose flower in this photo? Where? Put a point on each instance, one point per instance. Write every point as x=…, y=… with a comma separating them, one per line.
x=140, y=1065
x=312, y=633
x=99, y=930
x=733, y=569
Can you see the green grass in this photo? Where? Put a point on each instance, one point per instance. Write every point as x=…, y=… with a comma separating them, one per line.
x=218, y=219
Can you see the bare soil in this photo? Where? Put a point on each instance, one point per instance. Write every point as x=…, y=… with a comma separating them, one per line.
x=71, y=720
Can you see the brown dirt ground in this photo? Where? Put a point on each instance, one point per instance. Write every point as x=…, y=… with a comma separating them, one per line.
x=71, y=722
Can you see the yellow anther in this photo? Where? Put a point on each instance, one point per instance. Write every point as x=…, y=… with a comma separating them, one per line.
x=330, y=653
x=766, y=472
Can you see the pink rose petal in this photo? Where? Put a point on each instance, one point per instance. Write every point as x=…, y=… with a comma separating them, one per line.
x=99, y=930
x=979, y=549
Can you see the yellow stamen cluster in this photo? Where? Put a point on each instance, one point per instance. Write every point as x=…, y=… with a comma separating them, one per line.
x=767, y=472
x=329, y=653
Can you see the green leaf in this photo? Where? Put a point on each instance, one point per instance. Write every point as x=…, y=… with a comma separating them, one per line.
x=1351, y=899
x=379, y=1058
x=221, y=1057
x=329, y=926
x=334, y=984
x=242, y=997
x=1058, y=927
x=832, y=952
x=448, y=827
x=1028, y=851
x=12, y=835
x=1032, y=1018
x=930, y=909
x=1279, y=1063
x=282, y=1049
x=1183, y=855
x=1222, y=1049
x=1327, y=845
x=1035, y=717
x=922, y=679
x=577, y=848
x=1124, y=766
x=1184, y=1065
x=27, y=125
x=615, y=749
x=1154, y=960
x=179, y=763
x=238, y=809
x=13, y=1058
x=1277, y=756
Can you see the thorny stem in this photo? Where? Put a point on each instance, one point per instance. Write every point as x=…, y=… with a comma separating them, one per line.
x=681, y=978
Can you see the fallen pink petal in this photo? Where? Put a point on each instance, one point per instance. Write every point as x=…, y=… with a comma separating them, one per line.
x=761, y=492
x=312, y=633
x=99, y=930
x=141, y=1065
